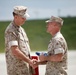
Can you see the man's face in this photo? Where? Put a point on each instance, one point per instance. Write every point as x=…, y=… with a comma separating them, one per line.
x=20, y=20
x=52, y=27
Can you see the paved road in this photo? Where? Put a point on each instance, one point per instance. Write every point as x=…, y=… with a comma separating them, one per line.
x=71, y=64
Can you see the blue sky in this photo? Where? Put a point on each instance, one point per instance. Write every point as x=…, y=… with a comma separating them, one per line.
x=39, y=8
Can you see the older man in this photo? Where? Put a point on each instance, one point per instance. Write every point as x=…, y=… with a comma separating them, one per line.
x=17, y=44
x=56, y=59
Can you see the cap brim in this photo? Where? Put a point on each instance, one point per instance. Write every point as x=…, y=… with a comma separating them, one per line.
x=48, y=21
x=26, y=15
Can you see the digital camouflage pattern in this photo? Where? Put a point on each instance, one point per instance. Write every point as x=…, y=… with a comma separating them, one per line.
x=16, y=66
x=57, y=45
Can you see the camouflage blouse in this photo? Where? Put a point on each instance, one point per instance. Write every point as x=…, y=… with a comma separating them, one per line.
x=57, y=45
x=15, y=35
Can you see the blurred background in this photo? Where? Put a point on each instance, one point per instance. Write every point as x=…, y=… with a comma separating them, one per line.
x=35, y=26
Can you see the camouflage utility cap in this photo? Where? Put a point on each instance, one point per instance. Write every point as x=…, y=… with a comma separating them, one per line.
x=55, y=19
x=21, y=10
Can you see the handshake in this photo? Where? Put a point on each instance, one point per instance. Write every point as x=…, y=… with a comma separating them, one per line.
x=41, y=56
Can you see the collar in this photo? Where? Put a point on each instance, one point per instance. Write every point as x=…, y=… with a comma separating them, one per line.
x=15, y=26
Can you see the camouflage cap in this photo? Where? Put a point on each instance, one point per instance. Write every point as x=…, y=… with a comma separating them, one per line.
x=55, y=19
x=21, y=10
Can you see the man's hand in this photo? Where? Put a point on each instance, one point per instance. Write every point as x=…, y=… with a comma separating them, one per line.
x=33, y=63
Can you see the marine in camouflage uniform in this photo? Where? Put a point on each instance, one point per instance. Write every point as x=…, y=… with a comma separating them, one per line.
x=57, y=49
x=16, y=37
x=57, y=45
x=14, y=34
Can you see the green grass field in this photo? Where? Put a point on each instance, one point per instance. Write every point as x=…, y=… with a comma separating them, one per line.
x=38, y=37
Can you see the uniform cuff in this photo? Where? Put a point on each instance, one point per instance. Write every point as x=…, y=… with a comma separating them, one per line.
x=13, y=43
x=59, y=50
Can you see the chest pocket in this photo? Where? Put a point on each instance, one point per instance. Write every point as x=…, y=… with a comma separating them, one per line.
x=20, y=37
x=21, y=41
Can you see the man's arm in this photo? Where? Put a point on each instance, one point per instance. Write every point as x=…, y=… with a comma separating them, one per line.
x=20, y=55
x=55, y=57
